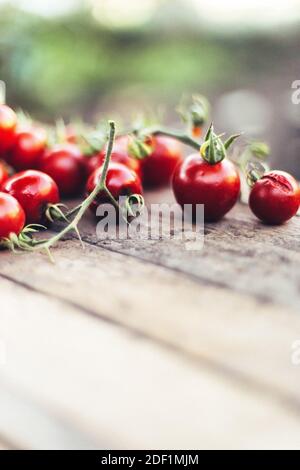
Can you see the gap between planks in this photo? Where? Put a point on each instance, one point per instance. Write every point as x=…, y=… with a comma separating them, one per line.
x=121, y=391
x=235, y=335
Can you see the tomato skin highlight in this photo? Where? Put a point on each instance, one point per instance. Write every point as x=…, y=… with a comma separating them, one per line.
x=159, y=166
x=29, y=146
x=216, y=186
x=35, y=191
x=275, y=198
x=120, y=181
x=12, y=216
x=8, y=124
x=67, y=167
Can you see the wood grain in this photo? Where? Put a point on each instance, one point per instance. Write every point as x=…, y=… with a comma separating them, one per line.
x=26, y=423
x=237, y=335
x=122, y=390
x=192, y=343
x=239, y=253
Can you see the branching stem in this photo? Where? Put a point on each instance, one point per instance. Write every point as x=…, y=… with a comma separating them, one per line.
x=83, y=207
x=182, y=137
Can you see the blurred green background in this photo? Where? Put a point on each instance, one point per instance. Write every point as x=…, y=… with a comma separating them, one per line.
x=95, y=58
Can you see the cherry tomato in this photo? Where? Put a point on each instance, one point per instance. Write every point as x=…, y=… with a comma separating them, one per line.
x=66, y=165
x=8, y=124
x=120, y=181
x=29, y=146
x=159, y=167
x=120, y=154
x=275, y=198
x=35, y=191
x=12, y=216
x=3, y=173
x=217, y=186
x=96, y=161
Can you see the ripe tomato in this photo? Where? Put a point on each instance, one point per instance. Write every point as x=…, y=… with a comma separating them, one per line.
x=8, y=124
x=120, y=181
x=3, y=173
x=120, y=154
x=275, y=198
x=66, y=165
x=217, y=186
x=12, y=216
x=29, y=146
x=35, y=191
x=159, y=167
x=96, y=161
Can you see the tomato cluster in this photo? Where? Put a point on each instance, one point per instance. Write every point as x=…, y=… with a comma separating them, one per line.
x=42, y=173
x=35, y=174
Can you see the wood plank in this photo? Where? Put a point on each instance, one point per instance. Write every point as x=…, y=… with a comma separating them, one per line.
x=244, y=339
x=239, y=253
x=28, y=425
x=122, y=390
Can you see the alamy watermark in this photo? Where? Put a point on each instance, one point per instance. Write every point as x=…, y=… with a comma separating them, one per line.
x=295, y=353
x=155, y=222
x=296, y=92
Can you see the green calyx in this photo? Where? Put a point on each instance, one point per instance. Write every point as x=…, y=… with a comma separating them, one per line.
x=199, y=111
x=214, y=150
x=260, y=150
x=254, y=172
x=196, y=113
x=24, y=241
x=55, y=213
x=134, y=205
x=138, y=148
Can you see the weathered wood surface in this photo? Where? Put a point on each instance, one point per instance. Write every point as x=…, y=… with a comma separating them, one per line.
x=145, y=344
x=239, y=253
x=120, y=389
x=200, y=320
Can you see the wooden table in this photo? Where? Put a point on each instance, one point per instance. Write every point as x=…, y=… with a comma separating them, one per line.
x=148, y=345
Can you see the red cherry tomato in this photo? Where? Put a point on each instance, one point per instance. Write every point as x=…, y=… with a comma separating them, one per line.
x=275, y=198
x=120, y=181
x=8, y=124
x=96, y=161
x=120, y=154
x=216, y=186
x=35, y=191
x=12, y=216
x=66, y=165
x=29, y=146
x=159, y=167
x=3, y=173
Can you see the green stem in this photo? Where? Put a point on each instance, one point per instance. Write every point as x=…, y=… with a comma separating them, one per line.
x=83, y=207
x=184, y=138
